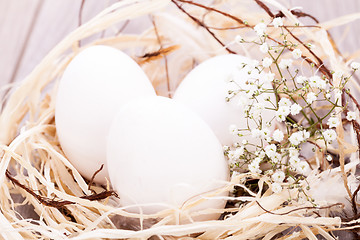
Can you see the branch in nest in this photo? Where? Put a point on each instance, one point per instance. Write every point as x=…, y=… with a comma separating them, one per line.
x=58, y=203
x=353, y=201
x=266, y=8
x=43, y=200
x=298, y=14
x=201, y=24
x=301, y=208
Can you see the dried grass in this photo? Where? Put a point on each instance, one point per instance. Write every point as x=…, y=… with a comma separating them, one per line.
x=31, y=151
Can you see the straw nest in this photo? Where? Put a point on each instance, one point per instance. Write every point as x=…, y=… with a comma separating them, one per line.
x=35, y=174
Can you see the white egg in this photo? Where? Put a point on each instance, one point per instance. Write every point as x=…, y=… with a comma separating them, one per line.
x=95, y=84
x=206, y=87
x=161, y=154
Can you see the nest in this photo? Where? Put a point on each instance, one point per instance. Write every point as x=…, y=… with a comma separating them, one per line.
x=36, y=175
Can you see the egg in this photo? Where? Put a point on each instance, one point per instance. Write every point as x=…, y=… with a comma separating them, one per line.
x=206, y=87
x=161, y=154
x=94, y=85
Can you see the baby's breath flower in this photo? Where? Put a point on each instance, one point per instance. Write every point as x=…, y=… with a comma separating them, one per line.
x=276, y=187
x=257, y=110
x=270, y=150
x=284, y=102
x=244, y=142
x=276, y=158
x=317, y=82
x=243, y=101
x=265, y=132
x=233, y=129
x=355, y=65
x=300, y=79
x=350, y=116
x=260, y=29
x=239, y=151
x=310, y=45
x=329, y=135
x=266, y=62
x=278, y=135
x=311, y=97
x=282, y=113
x=338, y=94
x=232, y=157
x=264, y=48
x=338, y=74
x=226, y=148
x=261, y=154
x=295, y=109
x=329, y=157
x=293, y=152
x=285, y=63
x=257, y=160
x=256, y=133
x=253, y=64
x=328, y=95
x=333, y=122
x=278, y=176
x=296, y=53
x=278, y=22
x=296, y=138
x=239, y=39
x=306, y=134
x=269, y=77
x=294, y=161
x=254, y=167
x=302, y=167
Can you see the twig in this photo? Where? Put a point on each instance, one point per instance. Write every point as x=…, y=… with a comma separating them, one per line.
x=202, y=25
x=353, y=200
x=123, y=27
x=213, y=10
x=266, y=8
x=58, y=203
x=164, y=56
x=80, y=17
x=298, y=209
x=93, y=177
x=43, y=200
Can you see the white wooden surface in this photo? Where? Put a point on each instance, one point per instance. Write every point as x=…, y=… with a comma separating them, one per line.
x=30, y=28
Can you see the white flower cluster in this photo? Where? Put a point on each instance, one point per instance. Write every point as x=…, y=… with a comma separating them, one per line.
x=355, y=66
x=298, y=137
x=295, y=163
x=329, y=135
x=333, y=122
x=286, y=108
x=295, y=94
x=350, y=116
x=260, y=29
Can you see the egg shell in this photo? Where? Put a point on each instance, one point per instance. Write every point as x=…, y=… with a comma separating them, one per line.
x=205, y=89
x=161, y=154
x=95, y=84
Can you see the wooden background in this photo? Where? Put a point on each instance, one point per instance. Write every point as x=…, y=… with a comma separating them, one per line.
x=30, y=28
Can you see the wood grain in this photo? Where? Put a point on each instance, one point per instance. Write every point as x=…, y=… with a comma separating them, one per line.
x=15, y=34
x=30, y=28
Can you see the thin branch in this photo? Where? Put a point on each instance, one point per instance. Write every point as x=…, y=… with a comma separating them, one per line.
x=298, y=209
x=353, y=200
x=202, y=25
x=266, y=8
x=51, y=202
x=43, y=200
x=213, y=10
x=93, y=177
x=164, y=56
